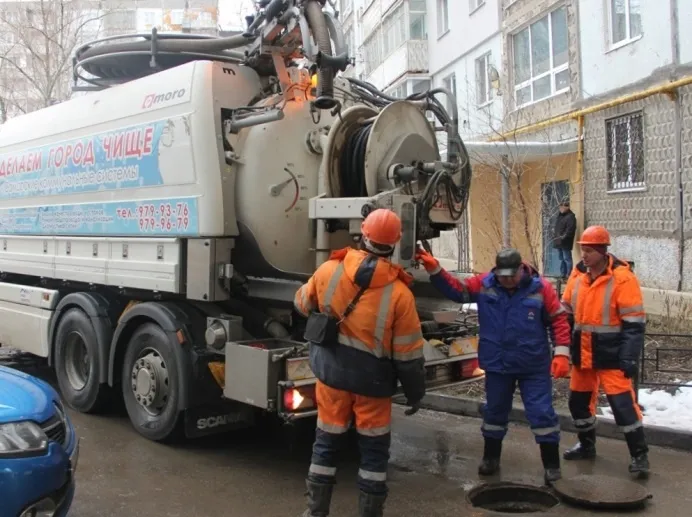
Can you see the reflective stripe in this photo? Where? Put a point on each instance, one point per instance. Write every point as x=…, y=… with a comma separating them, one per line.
x=408, y=356
x=535, y=296
x=331, y=428
x=630, y=310
x=605, y=320
x=562, y=350
x=558, y=312
x=585, y=421
x=634, y=319
x=599, y=329
x=358, y=345
x=408, y=339
x=375, y=431
x=493, y=427
x=544, y=431
x=489, y=291
x=436, y=271
x=321, y=470
x=630, y=428
x=331, y=288
x=575, y=292
x=383, y=311
x=372, y=476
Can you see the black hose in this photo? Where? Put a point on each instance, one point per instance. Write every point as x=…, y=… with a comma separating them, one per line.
x=352, y=163
x=318, y=25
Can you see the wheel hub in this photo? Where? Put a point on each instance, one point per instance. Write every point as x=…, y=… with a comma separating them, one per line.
x=150, y=382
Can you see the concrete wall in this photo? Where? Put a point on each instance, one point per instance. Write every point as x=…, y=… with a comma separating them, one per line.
x=607, y=67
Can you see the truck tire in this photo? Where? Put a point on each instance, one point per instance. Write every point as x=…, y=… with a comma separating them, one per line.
x=77, y=361
x=150, y=384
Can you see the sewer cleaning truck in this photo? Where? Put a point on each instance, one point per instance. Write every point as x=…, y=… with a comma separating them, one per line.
x=154, y=230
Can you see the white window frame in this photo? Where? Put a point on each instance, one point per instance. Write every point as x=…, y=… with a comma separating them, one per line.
x=411, y=13
x=442, y=18
x=628, y=27
x=485, y=60
x=450, y=82
x=552, y=71
x=392, y=26
x=346, y=7
x=628, y=185
x=474, y=5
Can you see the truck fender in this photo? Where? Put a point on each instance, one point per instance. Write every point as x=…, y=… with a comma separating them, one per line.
x=172, y=318
x=96, y=307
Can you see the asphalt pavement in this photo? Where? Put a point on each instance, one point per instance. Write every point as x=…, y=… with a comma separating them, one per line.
x=253, y=474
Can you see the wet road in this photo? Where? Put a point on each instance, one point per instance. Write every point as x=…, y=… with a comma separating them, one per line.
x=250, y=474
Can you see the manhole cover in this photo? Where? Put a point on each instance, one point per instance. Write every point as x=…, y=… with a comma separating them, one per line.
x=512, y=498
x=603, y=492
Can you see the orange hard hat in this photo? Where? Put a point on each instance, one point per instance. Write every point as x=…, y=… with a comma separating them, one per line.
x=595, y=236
x=382, y=226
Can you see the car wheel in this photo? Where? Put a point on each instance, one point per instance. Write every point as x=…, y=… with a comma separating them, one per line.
x=77, y=360
x=150, y=384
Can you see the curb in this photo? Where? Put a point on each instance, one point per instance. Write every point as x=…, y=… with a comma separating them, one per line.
x=463, y=406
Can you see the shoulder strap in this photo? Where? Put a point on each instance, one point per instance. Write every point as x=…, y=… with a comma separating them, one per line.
x=352, y=305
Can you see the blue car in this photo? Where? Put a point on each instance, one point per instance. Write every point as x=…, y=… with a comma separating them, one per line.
x=38, y=448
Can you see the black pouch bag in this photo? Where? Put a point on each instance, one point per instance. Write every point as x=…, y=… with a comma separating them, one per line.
x=322, y=329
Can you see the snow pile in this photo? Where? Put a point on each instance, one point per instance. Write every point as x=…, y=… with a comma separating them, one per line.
x=663, y=409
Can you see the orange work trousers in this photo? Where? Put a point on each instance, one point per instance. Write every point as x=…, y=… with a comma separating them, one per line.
x=584, y=386
x=336, y=410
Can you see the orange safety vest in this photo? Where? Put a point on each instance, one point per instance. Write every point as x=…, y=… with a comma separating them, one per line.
x=609, y=318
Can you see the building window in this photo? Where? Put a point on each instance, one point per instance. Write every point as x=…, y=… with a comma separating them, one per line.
x=625, y=20
x=371, y=53
x=417, y=28
x=450, y=82
x=399, y=92
x=346, y=7
x=625, y=152
x=475, y=4
x=393, y=31
x=442, y=17
x=484, y=92
x=540, y=53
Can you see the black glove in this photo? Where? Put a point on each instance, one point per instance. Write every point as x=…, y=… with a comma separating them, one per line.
x=414, y=408
x=629, y=368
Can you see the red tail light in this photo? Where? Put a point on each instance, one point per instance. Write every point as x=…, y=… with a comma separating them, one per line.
x=299, y=398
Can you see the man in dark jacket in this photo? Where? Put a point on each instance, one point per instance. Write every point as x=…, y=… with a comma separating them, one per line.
x=516, y=310
x=563, y=238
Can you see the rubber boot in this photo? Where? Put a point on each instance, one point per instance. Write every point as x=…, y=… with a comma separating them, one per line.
x=636, y=443
x=585, y=449
x=319, y=499
x=491, y=457
x=550, y=455
x=371, y=505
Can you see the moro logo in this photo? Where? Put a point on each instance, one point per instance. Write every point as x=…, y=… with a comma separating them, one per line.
x=157, y=98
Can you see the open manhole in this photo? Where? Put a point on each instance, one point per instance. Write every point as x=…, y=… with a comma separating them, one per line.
x=512, y=498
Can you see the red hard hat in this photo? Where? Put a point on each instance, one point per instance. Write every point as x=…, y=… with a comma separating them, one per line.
x=382, y=226
x=595, y=236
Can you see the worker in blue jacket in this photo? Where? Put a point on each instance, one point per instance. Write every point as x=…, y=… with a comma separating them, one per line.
x=517, y=310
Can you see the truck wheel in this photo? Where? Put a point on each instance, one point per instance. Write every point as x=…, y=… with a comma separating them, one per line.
x=77, y=359
x=150, y=384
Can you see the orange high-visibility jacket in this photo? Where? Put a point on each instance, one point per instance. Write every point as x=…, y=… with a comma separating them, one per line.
x=381, y=339
x=609, y=318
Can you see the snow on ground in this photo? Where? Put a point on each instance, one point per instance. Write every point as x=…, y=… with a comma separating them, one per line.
x=663, y=409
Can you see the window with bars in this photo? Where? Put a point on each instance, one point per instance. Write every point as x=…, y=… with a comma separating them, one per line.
x=540, y=55
x=625, y=152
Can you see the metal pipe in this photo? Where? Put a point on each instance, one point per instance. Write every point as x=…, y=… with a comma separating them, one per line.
x=580, y=149
x=506, y=171
x=662, y=88
x=256, y=120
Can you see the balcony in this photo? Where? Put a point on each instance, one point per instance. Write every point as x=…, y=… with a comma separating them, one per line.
x=410, y=57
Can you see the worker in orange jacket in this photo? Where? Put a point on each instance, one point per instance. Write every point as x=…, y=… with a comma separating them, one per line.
x=604, y=296
x=364, y=334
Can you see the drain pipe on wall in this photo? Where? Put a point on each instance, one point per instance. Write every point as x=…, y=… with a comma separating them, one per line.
x=676, y=97
x=505, y=171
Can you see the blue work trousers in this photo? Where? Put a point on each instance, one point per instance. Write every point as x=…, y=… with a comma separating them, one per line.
x=566, y=264
x=537, y=396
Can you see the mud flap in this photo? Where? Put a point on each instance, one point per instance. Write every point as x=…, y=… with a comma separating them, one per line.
x=219, y=418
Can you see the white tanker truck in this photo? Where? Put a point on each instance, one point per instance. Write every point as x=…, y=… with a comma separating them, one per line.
x=153, y=233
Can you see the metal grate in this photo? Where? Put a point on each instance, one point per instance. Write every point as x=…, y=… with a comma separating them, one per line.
x=464, y=244
x=625, y=152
